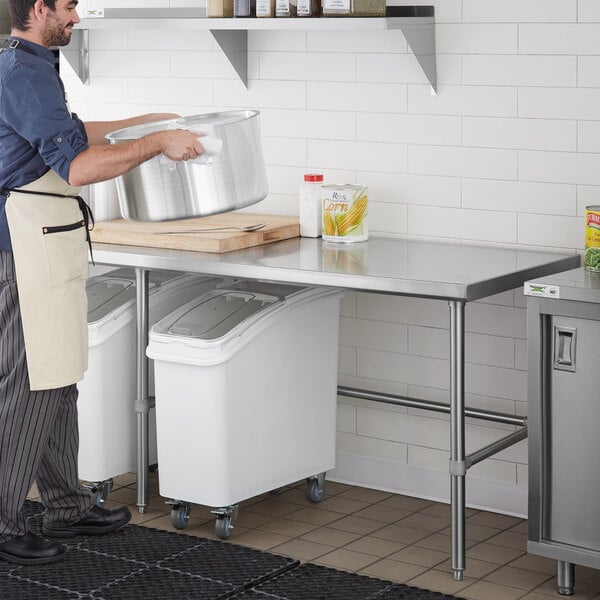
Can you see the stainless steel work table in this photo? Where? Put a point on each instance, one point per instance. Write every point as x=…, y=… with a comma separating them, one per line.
x=456, y=273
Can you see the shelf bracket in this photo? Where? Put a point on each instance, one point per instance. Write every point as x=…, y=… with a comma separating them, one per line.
x=421, y=40
x=77, y=54
x=234, y=43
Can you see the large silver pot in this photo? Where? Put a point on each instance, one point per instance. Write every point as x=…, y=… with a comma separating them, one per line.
x=163, y=190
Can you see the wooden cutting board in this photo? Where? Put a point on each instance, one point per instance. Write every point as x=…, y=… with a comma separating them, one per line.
x=134, y=233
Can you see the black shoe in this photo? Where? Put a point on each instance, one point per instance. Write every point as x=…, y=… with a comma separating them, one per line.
x=97, y=522
x=30, y=549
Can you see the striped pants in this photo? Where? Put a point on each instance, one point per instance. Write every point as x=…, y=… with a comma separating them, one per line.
x=39, y=438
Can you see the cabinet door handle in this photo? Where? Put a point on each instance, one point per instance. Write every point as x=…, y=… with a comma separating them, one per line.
x=565, y=343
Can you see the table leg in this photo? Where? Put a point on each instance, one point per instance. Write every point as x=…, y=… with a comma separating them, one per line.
x=565, y=577
x=457, y=435
x=142, y=404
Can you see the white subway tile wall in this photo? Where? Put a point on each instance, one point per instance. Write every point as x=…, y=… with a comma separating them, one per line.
x=507, y=152
x=589, y=10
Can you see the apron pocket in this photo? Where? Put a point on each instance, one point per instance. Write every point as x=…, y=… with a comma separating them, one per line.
x=66, y=251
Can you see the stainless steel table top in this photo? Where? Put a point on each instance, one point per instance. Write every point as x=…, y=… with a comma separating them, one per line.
x=383, y=264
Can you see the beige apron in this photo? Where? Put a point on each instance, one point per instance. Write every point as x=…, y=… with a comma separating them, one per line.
x=48, y=236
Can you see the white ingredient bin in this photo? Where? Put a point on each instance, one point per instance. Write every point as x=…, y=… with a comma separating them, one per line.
x=107, y=418
x=246, y=390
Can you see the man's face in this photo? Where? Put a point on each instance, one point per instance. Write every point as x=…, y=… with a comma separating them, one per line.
x=59, y=23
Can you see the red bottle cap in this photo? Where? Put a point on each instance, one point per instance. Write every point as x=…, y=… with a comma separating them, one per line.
x=313, y=177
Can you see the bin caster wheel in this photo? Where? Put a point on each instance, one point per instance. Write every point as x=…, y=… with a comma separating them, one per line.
x=101, y=490
x=180, y=515
x=223, y=527
x=315, y=488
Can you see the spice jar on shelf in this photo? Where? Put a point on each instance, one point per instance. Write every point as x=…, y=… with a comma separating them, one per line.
x=285, y=8
x=368, y=8
x=242, y=8
x=265, y=8
x=219, y=8
x=309, y=8
x=336, y=8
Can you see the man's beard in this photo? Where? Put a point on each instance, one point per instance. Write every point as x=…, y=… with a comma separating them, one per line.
x=56, y=33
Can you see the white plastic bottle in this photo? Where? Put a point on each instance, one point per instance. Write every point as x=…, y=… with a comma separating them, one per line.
x=310, y=205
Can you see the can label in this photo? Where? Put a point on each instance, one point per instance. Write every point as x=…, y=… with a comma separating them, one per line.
x=592, y=238
x=344, y=213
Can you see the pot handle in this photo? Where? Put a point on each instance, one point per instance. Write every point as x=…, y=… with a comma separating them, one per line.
x=212, y=147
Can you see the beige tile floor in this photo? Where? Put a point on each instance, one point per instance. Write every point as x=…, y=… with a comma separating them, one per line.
x=379, y=534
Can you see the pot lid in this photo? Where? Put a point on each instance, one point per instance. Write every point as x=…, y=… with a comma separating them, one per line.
x=208, y=120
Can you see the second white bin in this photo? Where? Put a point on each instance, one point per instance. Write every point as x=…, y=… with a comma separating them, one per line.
x=246, y=390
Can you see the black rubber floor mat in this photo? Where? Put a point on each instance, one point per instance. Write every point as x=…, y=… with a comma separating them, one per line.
x=236, y=565
x=313, y=582
x=154, y=583
x=80, y=571
x=143, y=544
x=12, y=588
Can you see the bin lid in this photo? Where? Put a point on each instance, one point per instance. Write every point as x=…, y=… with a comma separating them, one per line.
x=212, y=328
x=107, y=292
x=280, y=290
x=215, y=314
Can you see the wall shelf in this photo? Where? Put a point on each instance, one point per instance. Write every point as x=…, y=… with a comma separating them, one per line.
x=416, y=23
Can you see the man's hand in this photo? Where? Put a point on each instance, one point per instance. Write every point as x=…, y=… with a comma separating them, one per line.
x=179, y=144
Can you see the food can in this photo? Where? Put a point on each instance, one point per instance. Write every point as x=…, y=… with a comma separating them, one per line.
x=592, y=238
x=344, y=213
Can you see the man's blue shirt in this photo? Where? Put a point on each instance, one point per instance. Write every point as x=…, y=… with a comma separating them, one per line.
x=37, y=132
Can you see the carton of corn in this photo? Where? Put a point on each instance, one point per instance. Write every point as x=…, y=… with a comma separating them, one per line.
x=592, y=238
x=344, y=213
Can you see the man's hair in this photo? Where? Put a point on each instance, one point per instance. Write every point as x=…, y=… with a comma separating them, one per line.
x=19, y=12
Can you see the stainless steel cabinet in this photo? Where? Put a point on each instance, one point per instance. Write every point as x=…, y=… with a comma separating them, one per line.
x=564, y=421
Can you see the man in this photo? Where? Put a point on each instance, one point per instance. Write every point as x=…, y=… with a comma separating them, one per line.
x=45, y=154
